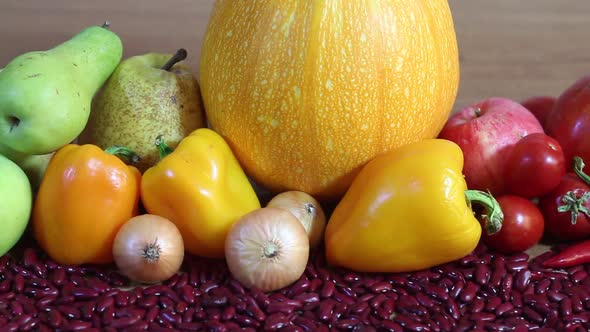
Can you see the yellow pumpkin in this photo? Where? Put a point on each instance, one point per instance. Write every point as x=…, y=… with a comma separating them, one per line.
x=306, y=92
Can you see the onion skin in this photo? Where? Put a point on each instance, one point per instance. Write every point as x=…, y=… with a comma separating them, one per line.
x=307, y=209
x=250, y=249
x=148, y=249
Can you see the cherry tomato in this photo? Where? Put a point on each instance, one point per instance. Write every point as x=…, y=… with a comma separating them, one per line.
x=534, y=166
x=522, y=228
x=569, y=121
x=566, y=209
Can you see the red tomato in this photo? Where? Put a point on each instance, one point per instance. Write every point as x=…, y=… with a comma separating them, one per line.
x=534, y=166
x=573, y=222
x=569, y=121
x=522, y=228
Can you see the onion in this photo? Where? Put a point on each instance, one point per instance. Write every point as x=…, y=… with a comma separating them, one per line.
x=148, y=249
x=267, y=248
x=307, y=209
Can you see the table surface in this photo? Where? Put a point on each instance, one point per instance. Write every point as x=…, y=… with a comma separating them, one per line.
x=508, y=48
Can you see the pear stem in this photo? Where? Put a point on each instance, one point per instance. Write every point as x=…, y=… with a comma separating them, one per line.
x=163, y=148
x=177, y=57
x=106, y=25
x=123, y=153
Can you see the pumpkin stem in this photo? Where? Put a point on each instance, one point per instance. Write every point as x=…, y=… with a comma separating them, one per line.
x=177, y=57
x=494, y=217
x=124, y=154
x=163, y=148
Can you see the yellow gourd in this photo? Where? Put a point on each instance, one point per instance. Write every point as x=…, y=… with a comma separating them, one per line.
x=306, y=92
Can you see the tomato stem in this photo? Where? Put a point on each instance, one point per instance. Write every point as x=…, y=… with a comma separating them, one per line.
x=574, y=205
x=163, y=148
x=579, y=169
x=123, y=153
x=494, y=217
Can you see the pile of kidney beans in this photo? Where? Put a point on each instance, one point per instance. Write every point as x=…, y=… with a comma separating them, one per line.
x=484, y=291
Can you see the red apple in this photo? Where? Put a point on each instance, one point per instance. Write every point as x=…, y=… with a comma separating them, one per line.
x=485, y=131
x=569, y=122
x=540, y=106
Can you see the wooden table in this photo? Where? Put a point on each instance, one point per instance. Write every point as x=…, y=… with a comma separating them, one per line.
x=508, y=48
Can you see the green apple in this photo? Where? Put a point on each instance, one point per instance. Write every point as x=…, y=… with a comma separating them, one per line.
x=16, y=203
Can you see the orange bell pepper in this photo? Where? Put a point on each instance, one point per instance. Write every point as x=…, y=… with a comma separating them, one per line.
x=84, y=198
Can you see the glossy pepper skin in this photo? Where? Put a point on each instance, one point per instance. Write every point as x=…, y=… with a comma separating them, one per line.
x=202, y=189
x=406, y=210
x=85, y=196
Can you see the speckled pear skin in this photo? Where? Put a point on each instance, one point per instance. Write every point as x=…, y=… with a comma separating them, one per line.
x=139, y=102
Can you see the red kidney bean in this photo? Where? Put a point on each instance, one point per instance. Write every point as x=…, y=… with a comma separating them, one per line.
x=577, y=305
x=75, y=325
x=328, y=289
x=108, y=315
x=507, y=286
x=254, y=310
x=579, y=276
x=380, y=287
x=55, y=318
x=468, y=293
x=501, y=309
x=532, y=315
x=493, y=303
x=103, y=303
x=245, y=320
x=16, y=308
x=343, y=298
x=260, y=297
x=498, y=271
x=19, y=283
x=87, y=310
x=457, y=289
x=325, y=309
x=376, y=301
x=436, y=292
x=555, y=296
x=315, y=284
x=453, y=309
x=151, y=314
x=513, y=266
x=276, y=322
x=482, y=274
x=542, y=286
x=425, y=300
x=522, y=279
x=477, y=305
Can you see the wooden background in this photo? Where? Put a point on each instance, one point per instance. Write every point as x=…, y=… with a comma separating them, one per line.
x=508, y=48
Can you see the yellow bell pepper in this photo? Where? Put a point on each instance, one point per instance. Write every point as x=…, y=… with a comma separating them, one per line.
x=408, y=210
x=201, y=188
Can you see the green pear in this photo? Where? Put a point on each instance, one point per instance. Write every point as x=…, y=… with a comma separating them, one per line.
x=34, y=166
x=147, y=96
x=45, y=96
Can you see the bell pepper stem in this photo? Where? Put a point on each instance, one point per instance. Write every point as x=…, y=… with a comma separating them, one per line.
x=494, y=217
x=574, y=205
x=163, y=148
x=579, y=169
x=124, y=153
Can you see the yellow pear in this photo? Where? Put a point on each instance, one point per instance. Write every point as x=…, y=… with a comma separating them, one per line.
x=147, y=96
